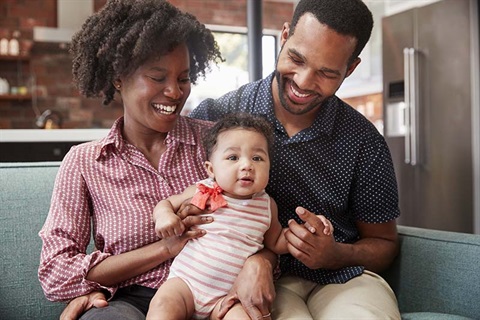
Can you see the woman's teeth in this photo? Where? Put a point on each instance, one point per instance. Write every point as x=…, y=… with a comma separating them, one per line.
x=164, y=109
x=298, y=94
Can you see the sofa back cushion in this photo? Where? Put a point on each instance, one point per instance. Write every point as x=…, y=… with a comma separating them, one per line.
x=437, y=271
x=25, y=193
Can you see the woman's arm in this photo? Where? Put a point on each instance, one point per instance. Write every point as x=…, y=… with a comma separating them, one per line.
x=81, y=304
x=66, y=234
x=124, y=266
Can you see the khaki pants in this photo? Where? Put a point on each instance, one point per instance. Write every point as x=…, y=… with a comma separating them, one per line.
x=364, y=297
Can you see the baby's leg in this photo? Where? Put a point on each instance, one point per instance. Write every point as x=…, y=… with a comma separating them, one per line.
x=236, y=312
x=173, y=300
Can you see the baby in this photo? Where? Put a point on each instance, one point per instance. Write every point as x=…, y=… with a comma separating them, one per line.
x=245, y=219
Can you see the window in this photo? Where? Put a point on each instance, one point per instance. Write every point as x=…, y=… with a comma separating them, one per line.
x=232, y=73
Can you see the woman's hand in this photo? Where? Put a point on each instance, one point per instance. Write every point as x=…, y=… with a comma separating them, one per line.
x=174, y=245
x=80, y=305
x=189, y=210
x=191, y=218
x=170, y=225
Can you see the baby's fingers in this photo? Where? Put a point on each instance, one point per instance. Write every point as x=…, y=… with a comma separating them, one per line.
x=179, y=229
x=328, y=227
x=309, y=227
x=165, y=232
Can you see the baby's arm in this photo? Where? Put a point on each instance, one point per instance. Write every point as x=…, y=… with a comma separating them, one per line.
x=274, y=238
x=167, y=223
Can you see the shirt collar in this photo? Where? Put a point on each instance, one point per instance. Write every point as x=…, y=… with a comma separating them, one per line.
x=113, y=140
x=325, y=120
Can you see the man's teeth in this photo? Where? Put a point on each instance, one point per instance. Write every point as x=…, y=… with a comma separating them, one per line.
x=165, y=109
x=298, y=94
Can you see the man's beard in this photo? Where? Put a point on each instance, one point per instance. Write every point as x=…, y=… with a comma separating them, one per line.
x=283, y=100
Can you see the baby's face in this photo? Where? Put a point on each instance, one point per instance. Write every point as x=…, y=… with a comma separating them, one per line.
x=240, y=162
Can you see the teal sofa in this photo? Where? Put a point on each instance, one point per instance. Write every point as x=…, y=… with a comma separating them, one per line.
x=436, y=276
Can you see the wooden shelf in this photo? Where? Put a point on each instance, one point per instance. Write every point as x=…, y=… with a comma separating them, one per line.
x=14, y=58
x=15, y=96
x=16, y=75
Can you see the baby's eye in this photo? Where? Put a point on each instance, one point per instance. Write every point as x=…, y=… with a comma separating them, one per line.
x=233, y=158
x=257, y=158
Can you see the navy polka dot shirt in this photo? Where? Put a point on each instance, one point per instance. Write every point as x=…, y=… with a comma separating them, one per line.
x=339, y=167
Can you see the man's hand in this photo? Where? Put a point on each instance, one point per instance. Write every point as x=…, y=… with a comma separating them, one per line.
x=308, y=242
x=375, y=250
x=79, y=305
x=253, y=287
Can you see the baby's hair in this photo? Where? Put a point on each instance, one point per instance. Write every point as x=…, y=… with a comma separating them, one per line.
x=238, y=120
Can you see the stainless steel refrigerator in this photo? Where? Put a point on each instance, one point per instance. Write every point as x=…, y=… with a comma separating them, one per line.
x=430, y=81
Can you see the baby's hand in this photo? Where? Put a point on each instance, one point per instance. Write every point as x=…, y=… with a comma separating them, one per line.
x=328, y=230
x=169, y=226
x=328, y=227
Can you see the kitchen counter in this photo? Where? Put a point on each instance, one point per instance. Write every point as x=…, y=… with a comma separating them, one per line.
x=30, y=145
x=53, y=135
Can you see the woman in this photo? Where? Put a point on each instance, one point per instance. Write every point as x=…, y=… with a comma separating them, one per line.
x=148, y=52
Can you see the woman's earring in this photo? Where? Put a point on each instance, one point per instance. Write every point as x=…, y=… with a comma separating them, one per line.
x=118, y=86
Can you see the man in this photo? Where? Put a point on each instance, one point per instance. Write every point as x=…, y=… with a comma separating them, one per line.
x=329, y=160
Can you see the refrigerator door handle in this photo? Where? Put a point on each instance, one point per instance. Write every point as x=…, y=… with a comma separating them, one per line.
x=406, y=77
x=413, y=107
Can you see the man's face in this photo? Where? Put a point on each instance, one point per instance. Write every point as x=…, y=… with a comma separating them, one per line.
x=311, y=66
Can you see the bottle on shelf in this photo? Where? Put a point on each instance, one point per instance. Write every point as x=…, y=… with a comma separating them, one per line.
x=4, y=44
x=4, y=86
x=14, y=45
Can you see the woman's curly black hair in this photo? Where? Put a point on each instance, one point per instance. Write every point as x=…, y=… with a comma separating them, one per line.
x=121, y=36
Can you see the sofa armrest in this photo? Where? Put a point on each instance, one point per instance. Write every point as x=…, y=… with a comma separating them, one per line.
x=437, y=271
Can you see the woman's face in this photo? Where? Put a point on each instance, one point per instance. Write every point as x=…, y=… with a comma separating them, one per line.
x=154, y=94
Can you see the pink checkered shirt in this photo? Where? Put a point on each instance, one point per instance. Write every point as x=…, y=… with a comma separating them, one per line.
x=110, y=184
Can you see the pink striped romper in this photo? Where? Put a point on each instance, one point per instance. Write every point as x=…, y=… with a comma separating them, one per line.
x=209, y=265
